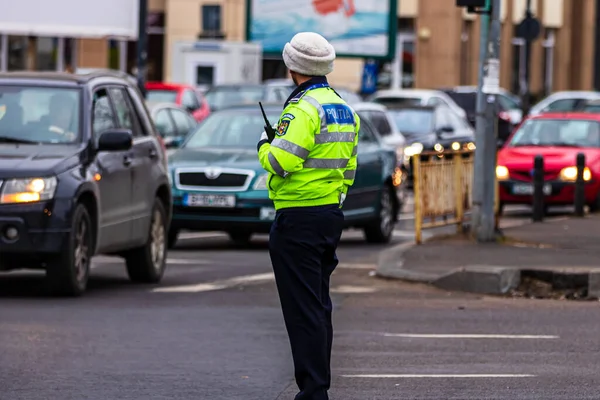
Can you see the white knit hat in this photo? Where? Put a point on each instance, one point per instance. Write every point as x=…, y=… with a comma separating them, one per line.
x=309, y=53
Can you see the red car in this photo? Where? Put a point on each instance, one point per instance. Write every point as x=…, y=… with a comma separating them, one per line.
x=558, y=137
x=183, y=95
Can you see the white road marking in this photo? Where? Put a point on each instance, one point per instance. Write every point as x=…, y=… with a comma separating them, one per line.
x=199, y=235
x=400, y=376
x=467, y=336
x=357, y=266
x=217, y=285
x=352, y=289
x=117, y=260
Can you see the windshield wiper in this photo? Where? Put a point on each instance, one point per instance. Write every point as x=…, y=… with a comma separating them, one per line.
x=8, y=139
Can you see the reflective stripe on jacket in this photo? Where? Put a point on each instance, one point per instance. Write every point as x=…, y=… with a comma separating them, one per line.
x=312, y=159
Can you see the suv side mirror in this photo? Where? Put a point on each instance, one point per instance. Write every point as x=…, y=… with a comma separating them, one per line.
x=115, y=140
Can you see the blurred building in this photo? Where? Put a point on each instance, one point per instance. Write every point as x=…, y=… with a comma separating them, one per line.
x=437, y=44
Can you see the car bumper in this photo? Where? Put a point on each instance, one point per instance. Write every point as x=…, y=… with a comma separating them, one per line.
x=254, y=215
x=558, y=193
x=42, y=229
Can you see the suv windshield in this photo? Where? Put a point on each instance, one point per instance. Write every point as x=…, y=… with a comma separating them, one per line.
x=161, y=96
x=412, y=122
x=221, y=97
x=39, y=114
x=231, y=129
x=557, y=132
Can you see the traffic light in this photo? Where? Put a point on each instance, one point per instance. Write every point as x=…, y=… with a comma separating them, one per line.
x=470, y=3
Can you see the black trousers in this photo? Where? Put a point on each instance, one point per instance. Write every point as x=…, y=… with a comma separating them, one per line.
x=302, y=246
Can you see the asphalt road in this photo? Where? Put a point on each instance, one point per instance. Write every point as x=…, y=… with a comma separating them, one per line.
x=213, y=330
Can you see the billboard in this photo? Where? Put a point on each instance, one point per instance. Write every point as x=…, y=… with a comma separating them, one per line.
x=71, y=18
x=356, y=28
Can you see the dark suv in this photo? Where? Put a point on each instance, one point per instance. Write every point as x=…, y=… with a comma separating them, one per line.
x=82, y=172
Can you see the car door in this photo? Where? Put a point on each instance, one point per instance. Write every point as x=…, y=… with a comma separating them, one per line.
x=143, y=155
x=115, y=179
x=363, y=195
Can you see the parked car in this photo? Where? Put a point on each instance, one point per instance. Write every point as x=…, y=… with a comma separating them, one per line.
x=566, y=101
x=466, y=97
x=184, y=95
x=511, y=108
x=82, y=172
x=591, y=106
x=383, y=122
x=558, y=137
x=218, y=183
x=422, y=97
x=172, y=122
x=225, y=96
x=431, y=128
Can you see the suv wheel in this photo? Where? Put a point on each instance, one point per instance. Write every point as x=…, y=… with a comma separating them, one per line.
x=68, y=274
x=146, y=264
x=382, y=228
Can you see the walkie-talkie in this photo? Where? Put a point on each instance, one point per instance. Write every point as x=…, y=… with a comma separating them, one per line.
x=268, y=128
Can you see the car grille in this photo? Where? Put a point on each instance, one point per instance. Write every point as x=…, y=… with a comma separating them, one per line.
x=202, y=179
x=524, y=175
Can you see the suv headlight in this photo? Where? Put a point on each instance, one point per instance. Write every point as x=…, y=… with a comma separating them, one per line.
x=28, y=190
x=261, y=182
x=502, y=173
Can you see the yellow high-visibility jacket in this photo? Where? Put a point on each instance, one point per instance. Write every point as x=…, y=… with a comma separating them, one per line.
x=312, y=160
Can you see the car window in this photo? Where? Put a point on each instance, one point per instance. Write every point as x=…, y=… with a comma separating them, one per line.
x=103, y=115
x=225, y=96
x=164, y=124
x=379, y=121
x=397, y=101
x=125, y=113
x=161, y=96
x=365, y=134
x=413, y=121
x=556, y=132
x=442, y=117
x=434, y=101
x=189, y=100
x=507, y=103
x=40, y=114
x=563, y=105
x=456, y=121
x=230, y=129
x=182, y=121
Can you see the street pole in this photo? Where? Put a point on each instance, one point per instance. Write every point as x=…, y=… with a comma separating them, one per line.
x=480, y=125
x=142, y=51
x=526, y=100
x=485, y=157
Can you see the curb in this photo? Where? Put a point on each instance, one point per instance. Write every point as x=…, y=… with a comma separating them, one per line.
x=484, y=279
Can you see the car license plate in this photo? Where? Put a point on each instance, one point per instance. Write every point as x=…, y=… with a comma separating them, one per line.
x=209, y=200
x=526, y=189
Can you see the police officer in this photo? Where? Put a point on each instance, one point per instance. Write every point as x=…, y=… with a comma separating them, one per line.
x=311, y=164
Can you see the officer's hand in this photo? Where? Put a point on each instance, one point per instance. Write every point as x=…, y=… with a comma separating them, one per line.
x=264, y=136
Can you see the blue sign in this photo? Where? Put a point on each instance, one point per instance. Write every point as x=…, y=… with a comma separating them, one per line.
x=369, y=79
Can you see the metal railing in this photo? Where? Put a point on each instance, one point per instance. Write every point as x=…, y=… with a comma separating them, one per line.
x=442, y=184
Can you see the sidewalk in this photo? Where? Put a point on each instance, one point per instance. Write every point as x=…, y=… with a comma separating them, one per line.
x=564, y=254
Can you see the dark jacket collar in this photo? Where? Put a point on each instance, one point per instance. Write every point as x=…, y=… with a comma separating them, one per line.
x=315, y=80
